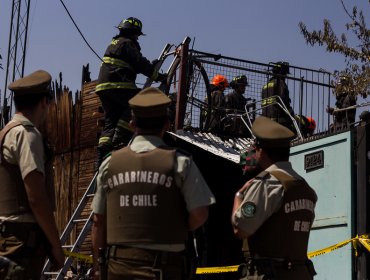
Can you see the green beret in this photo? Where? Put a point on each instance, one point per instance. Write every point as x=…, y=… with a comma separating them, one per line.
x=150, y=102
x=37, y=82
x=270, y=134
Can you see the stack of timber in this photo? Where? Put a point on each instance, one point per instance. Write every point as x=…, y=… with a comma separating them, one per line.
x=72, y=131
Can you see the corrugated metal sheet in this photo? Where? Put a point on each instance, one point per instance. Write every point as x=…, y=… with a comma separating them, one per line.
x=226, y=148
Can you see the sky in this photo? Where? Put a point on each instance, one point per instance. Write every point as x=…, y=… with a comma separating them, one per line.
x=255, y=30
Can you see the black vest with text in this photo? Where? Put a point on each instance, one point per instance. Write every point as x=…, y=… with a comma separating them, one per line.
x=285, y=234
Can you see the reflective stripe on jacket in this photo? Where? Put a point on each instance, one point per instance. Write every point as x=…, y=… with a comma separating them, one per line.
x=121, y=63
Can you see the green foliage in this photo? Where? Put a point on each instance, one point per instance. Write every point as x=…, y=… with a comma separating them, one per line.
x=357, y=55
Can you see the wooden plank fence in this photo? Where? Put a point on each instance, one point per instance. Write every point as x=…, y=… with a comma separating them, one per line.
x=72, y=130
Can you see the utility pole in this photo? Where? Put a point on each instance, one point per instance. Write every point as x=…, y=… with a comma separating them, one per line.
x=16, y=55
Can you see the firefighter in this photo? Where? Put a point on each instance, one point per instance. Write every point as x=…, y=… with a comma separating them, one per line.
x=274, y=211
x=344, y=99
x=151, y=195
x=217, y=103
x=306, y=124
x=122, y=62
x=276, y=86
x=235, y=103
x=28, y=231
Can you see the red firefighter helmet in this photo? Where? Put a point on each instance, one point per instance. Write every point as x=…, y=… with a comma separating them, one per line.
x=220, y=82
x=311, y=124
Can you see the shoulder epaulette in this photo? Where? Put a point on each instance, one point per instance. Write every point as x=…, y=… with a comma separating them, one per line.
x=107, y=155
x=262, y=175
x=183, y=152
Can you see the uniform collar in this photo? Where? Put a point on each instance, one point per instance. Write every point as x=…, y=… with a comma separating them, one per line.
x=285, y=165
x=22, y=119
x=144, y=143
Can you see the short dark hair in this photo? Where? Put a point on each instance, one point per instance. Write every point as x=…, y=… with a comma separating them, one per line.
x=153, y=123
x=28, y=101
x=277, y=154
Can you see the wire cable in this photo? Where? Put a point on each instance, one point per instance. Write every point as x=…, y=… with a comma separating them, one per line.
x=79, y=31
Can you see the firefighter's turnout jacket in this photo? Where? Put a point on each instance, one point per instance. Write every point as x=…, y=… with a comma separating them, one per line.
x=235, y=104
x=276, y=86
x=122, y=62
x=345, y=118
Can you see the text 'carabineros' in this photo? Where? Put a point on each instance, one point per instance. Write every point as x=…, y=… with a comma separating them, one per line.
x=139, y=176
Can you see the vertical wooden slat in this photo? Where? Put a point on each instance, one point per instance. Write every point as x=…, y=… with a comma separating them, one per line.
x=72, y=130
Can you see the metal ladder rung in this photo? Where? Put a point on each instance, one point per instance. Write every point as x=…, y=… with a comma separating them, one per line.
x=72, y=224
x=51, y=272
x=90, y=195
x=80, y=220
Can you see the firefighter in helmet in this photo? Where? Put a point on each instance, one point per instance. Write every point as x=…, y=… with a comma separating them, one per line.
x=306, y=124
x=217, y=103
x=235, y=103
x=122, y=62
x=276, y=86
x=344, y=98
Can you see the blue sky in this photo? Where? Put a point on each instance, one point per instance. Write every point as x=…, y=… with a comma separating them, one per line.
x=256, y=30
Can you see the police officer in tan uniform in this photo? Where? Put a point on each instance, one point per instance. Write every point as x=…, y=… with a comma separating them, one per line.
x=274, y=212
x=28, y=230
x=148, y=197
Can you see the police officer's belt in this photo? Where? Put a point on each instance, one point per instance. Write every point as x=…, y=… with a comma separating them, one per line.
x=21, y=230
x=277, y=262
x=128, y=252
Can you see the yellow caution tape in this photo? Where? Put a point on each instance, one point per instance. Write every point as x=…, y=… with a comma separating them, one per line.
x=365, y=242
x=328, y=249
x=363, y=239
x=82, y=257
x=220, y=269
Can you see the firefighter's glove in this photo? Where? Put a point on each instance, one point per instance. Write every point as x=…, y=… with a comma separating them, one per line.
x=330, y=110
x=161, y=77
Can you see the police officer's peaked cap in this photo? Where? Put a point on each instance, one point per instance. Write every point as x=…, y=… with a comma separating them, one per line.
x=37, y=82
x=150, y=102
x=270, y=134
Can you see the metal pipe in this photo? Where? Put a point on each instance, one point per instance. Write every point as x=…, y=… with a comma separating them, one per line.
x=300, y=101
x=15, y=66
x=25, y=38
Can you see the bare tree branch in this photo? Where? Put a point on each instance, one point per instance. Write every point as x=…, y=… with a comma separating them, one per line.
x=357, y=56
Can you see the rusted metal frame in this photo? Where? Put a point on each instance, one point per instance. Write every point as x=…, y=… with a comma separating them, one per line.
x=183, y=84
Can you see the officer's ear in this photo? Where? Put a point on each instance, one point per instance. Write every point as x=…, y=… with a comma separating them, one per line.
x=132, y=124
x=166, y=125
